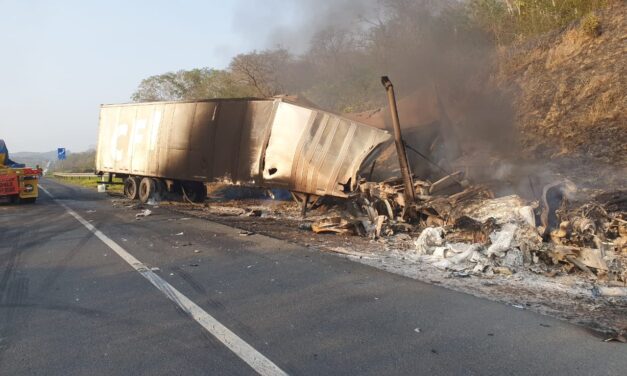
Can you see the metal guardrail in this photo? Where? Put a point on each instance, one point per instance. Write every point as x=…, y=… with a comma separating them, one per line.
x=76, y=175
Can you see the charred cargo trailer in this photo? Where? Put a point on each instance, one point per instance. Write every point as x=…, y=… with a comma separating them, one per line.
x=178, y=146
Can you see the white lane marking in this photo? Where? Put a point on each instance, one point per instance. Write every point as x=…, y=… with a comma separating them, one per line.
x=246, y=352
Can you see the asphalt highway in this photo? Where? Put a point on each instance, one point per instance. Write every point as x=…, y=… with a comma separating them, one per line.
x=88, y=289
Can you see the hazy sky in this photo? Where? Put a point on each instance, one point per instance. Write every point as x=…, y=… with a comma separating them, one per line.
x=60, y=60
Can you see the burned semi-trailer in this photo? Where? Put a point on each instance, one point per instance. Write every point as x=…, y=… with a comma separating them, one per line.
x=160, y=147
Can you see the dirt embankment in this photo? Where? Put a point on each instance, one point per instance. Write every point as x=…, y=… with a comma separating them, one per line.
x=569, y=90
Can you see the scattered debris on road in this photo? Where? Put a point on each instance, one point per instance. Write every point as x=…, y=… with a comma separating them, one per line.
x=621, y=337
x=144, y=213
x=469, y=240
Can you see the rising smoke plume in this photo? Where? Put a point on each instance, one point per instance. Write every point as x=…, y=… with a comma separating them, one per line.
x=439, y=61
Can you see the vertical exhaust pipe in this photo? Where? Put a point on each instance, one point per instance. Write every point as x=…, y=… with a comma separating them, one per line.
x=410, y=194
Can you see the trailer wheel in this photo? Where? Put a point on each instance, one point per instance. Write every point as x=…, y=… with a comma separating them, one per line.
x=147, y=188
x=29, y=200
x=195, y=191
x=131, y=187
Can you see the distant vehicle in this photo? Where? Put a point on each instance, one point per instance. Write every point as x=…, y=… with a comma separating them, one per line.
x=160, y=147
x=18, y=183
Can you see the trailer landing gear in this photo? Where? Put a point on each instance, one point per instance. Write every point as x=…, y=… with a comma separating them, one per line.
x=305, y=201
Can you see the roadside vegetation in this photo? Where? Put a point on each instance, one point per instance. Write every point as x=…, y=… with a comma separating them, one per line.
x=82, y=162
x=547, y=74
x=516, y=20
x=418, y=41
x=76, y=162
x=88, y=182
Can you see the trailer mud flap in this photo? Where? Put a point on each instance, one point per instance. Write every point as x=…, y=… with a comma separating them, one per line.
x=8, y=185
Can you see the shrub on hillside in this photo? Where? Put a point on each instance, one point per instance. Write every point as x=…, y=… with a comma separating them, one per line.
x=591, y=25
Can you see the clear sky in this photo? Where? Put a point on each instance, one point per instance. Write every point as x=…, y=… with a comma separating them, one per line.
x=59, y=60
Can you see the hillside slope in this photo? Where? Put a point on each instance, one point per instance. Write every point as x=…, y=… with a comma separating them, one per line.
x=569, y=89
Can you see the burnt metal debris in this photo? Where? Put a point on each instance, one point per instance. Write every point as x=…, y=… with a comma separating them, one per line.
x=463, y=227
x=398, y=141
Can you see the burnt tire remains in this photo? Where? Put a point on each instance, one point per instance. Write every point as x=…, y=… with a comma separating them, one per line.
x=131, y=187
x=195, y=191
x=147, y=189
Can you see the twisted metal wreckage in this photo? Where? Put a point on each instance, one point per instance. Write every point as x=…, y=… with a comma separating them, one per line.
x=466, y=229
x=163, y=147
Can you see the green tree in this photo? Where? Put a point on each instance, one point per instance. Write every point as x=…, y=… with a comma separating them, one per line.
x=200, y=83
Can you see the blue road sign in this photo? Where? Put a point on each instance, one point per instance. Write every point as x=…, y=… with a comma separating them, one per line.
x=61, y=154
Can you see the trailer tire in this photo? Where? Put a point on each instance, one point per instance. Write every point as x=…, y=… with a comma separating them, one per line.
x=147, y=188
x=131, y=187
x=29, y=200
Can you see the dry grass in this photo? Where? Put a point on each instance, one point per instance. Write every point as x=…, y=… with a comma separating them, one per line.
x=518, y=20
x=570, y=89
